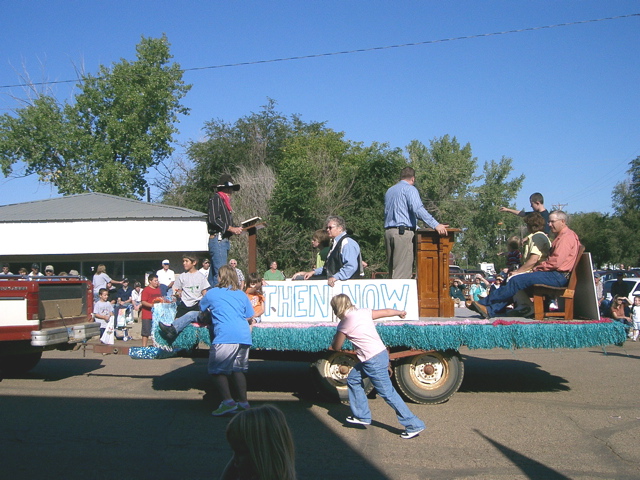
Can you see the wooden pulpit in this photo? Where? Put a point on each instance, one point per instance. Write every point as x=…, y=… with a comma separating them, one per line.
x=432, y=263
x=252, y=226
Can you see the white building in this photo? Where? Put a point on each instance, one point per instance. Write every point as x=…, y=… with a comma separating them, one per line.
x=81, y=231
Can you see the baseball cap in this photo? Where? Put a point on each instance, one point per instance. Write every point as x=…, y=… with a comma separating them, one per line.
x=165, y=261
x=48, y=267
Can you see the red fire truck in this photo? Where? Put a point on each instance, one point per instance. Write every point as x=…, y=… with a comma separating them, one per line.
x=42, y=313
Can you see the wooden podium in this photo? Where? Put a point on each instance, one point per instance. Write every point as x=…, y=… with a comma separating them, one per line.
x=252, y=226
x=432, y=263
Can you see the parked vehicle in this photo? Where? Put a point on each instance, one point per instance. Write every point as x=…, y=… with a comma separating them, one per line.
x=632, y=283
x=42, y=313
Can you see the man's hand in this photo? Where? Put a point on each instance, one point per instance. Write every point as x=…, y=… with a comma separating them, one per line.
x=442, y=229
x=331, y=281
x=402, y=314
x=235, y=230
x=308, y=275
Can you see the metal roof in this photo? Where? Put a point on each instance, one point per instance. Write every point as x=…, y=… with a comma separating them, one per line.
x=92, y=206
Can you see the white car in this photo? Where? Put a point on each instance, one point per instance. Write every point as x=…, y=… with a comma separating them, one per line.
x=632, y=284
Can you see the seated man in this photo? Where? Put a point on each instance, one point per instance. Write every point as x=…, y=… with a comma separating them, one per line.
x=189, y=288
x=553, y=272
x=344, y=260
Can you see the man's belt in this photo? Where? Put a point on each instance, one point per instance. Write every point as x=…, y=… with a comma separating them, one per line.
x=406, y=228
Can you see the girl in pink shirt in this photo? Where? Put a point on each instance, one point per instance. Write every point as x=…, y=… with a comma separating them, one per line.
x=357, y=325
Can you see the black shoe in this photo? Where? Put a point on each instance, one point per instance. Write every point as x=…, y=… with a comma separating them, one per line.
x=168, y=332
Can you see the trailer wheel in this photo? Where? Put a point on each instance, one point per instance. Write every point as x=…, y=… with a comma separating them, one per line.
x=430, y=378
x=19, y=363
x=332, y=372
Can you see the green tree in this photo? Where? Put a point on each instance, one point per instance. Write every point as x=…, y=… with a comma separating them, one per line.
x=445, y=173
x=486, y=233
x=596, y=233
x=120, y=125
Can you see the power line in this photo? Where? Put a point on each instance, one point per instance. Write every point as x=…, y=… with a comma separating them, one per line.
x=370, y=49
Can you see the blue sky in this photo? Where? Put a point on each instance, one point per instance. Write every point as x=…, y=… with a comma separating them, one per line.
x=562, y=102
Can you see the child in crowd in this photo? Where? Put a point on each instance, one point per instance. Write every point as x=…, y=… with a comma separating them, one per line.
x=478, y=288
x=357, y=325
x=150, y=295
x=635, y=317
x=262, y=446
x=102, y=309
x=514, y=256
x=189, y=288
x=231, y=312
x=254, y=292
x=136, y=299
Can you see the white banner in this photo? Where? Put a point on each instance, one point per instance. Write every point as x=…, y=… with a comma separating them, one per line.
x=309, y=301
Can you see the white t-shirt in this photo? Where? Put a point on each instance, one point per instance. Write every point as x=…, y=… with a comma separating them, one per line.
x=102, y=308
x=100, y=280
x=165, y=277
x=360, y=329
x=192, y=285
x=136, y=296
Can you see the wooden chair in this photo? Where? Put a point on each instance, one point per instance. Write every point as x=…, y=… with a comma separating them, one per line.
x=567, y=293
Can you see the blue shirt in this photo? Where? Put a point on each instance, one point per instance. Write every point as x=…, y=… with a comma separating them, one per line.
x=230, y=310
x=350, y=256
x=403, y=206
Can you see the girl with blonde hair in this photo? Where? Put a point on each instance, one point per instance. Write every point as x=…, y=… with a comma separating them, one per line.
x=356, y=324
x=262, y=446
x=231, y=312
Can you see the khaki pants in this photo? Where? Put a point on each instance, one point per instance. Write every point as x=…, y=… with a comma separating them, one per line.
x=400, y=250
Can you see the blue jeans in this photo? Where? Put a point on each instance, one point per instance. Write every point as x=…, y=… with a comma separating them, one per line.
x=181, y=323
x=497, y=300
x=376, y=369
x=218, y=251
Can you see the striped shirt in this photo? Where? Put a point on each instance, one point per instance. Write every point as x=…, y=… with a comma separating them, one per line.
x=403, y=206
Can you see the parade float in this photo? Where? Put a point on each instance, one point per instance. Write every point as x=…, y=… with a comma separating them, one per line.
x=424, y=348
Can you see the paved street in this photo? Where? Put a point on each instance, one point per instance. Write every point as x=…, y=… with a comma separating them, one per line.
x=518, y=415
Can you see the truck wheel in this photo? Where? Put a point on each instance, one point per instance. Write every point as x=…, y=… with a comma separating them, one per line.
x=430, y=378
x=20, y=363
x=332, y=375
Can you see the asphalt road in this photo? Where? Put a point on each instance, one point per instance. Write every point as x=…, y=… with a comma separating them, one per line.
x=518, y=415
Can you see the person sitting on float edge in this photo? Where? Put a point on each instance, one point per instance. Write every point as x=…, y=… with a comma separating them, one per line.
x=189, y=288
x=344, y=260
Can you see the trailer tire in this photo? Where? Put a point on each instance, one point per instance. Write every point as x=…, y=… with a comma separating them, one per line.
x=331, y=376
x=19, y=363
x=431, y=377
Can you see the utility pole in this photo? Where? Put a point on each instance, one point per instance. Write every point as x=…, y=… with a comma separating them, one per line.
x=560, y=206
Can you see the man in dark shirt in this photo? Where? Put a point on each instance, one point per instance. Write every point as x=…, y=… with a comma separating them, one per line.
x=620, y=287
x=220, y=225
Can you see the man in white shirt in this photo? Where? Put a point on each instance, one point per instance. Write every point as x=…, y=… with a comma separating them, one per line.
x=166, y=276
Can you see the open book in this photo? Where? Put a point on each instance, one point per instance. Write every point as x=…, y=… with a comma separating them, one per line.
x=250, y=222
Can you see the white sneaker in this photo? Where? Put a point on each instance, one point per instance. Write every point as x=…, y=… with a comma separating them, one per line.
x=357, y=421
x=407, y=435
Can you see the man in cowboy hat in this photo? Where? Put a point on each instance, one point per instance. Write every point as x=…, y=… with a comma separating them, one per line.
x=220, y=225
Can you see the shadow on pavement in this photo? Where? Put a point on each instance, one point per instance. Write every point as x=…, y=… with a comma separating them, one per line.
x=529, y=467
x=488, y=375
x=78, y=438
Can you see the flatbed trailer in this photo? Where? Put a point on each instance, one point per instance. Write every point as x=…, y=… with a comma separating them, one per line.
x=426, y=365
x=425, y=361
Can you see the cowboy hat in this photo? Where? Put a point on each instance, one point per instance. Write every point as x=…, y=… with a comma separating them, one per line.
x=227, y=182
